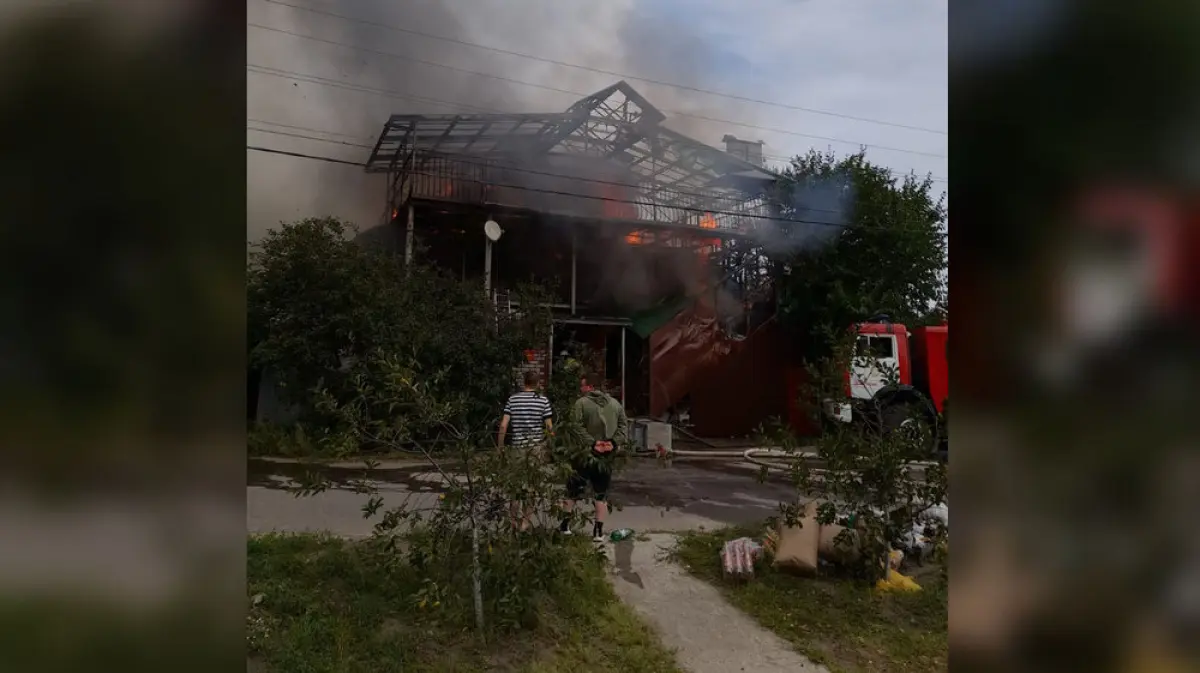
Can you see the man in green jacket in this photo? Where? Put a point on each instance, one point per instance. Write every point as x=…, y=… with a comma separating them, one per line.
x=603, y=427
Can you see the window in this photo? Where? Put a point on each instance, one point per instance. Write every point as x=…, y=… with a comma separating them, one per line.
x=881, y=347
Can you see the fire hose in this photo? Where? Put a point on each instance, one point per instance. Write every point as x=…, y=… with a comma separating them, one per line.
x=763, y=457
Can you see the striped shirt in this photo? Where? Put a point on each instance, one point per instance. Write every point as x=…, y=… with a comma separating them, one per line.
x=527, y=412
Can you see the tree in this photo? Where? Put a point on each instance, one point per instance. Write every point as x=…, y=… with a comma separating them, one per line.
x=886, y=252
x=316, y=299
x=319, y=303
x=469, y=547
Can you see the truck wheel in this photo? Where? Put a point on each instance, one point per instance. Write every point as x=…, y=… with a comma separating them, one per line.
x=910, y=416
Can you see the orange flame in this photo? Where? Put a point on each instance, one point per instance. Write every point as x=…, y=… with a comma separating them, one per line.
x=395, y=213
x=635, y=238
x=707, y=221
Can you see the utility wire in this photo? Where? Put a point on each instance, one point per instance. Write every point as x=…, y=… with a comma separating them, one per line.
x=667, y=190
x=556, y=192
x=389, y=93
x=325, y=81
x=365, y=145
x=547, y=87
x=301, y=155
x=683, y=87
x=518, y=169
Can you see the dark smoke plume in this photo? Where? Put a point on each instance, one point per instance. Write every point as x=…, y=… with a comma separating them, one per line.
x=607, y=35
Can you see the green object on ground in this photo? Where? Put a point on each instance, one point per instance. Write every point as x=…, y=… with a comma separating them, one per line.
x=620, y=534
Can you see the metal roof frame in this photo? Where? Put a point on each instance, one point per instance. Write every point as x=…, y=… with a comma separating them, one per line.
x=615, y=125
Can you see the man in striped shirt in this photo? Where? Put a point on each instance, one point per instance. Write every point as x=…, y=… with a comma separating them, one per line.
x=530, y=416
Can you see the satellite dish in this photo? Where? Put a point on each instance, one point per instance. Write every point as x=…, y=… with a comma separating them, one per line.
x=492, y=230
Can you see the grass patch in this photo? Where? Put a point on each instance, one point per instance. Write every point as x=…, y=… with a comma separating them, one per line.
x=324, y=604
x=845, y=625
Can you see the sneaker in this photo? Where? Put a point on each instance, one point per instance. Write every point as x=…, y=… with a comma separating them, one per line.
x=598, y=538
x=565, y=528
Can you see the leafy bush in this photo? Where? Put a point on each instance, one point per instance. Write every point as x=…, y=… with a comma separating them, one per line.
x=324, y=311
x=398, y=404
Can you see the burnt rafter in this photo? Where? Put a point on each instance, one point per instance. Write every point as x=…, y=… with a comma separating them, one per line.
x=615, y=126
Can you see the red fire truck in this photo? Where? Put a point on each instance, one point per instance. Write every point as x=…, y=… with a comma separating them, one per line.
x=898, y=376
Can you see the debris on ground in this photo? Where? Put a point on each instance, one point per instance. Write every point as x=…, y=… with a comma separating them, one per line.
x=738, y=557
x=620, y=534
x=897, y=582
x=798, y=545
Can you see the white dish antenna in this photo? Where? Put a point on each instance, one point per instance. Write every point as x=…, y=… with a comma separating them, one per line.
x=492, y=230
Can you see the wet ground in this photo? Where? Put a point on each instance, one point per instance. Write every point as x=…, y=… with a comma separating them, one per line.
x=684, y=495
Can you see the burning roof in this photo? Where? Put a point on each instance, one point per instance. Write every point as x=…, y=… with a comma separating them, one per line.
x=669, y=178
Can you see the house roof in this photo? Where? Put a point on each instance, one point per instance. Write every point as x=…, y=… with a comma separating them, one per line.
x=615, y=125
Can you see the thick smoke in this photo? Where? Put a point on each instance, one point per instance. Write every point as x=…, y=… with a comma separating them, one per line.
x=613, y=36
x=815, y=211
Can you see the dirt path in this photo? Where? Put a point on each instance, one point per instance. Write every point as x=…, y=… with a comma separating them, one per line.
x=708, y=634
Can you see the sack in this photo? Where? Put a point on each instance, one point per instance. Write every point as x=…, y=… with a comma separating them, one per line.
x=797, y=549
x=846, y=551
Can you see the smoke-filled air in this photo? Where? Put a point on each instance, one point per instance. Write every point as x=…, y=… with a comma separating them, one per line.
x=356, y=73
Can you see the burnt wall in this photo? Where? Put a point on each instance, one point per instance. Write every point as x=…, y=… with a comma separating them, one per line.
x=730, y=385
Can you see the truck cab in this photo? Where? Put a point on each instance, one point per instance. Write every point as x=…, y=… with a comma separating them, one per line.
x=897, y=377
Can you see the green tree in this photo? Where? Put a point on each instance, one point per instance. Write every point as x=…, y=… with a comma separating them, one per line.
x=320, y=304
x=881, y=248
x=315, y=299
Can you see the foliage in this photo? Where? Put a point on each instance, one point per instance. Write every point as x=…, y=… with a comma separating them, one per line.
x=321, y=604
x=840, y=624
x=124, y=327
x=875, y=475
x=397, y=403
x=889, y=257
x=319, y=303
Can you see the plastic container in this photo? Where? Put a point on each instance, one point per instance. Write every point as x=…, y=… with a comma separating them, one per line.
x=620, y=534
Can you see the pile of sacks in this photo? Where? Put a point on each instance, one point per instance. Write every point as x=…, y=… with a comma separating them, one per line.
x=800, y=549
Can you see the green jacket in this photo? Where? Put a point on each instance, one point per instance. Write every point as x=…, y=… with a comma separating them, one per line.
x=601, y=417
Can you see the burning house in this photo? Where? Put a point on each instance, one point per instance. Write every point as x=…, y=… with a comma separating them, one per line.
x=648, y=237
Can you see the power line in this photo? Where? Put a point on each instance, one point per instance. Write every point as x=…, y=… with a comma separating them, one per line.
x=476, y=162
x=301, y=135
x=300, y=128
x=519, y=169
x=388, y=93
x=368, y=146
x=547, y=87
x=301, y=155
x=602, y=71
x=325, y=81
x=556, y=192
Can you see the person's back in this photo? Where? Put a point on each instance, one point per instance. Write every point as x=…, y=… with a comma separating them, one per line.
x=601, y=417
x=528, y=412
x=603, y=424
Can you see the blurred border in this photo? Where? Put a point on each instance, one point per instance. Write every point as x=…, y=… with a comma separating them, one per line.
x=122, y=352
x=1075, y=268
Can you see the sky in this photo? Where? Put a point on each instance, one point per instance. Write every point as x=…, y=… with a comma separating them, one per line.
x=840, y=74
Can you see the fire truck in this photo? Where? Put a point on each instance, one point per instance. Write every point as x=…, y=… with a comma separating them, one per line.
x=897, y=377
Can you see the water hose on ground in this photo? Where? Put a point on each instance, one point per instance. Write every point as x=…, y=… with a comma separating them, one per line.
x=769, y=458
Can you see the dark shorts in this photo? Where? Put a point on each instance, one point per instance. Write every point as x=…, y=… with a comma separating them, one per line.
x=597, y=475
